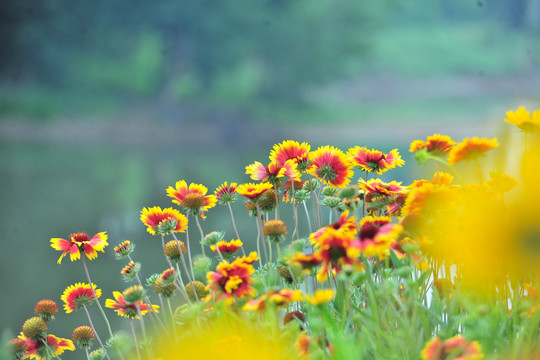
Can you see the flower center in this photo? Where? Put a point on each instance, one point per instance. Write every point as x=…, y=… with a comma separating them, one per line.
x=193, y=201
x=80, y=238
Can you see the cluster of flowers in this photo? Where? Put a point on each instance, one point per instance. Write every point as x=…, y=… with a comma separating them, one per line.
x=376, y=231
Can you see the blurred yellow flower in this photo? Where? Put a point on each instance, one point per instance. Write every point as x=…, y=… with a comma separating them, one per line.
x=523, y=119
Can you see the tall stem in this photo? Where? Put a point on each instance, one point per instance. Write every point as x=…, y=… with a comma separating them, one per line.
x=95, y=297
x=188, y=247
x=234, y=226
x=202, y=234
x=185, y=268
x=95, y=332
x=295, y=212
x=307, y=216
x=261, y=233
x=277, y=202
x=135, y=339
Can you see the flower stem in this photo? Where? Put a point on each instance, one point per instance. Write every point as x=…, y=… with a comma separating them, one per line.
x=259, y=226
x=186, y=269
x=307, y=216
x=95, y=297
x=135, y=339
x=95, y=332
x=188, y=247
x=234, y=226
x=202, y=234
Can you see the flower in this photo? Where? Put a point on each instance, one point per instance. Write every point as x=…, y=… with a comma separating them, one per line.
x=376, y=235
x=83, y=335
x=374, y=160
x=291, y=273
x=253, y=191
x=436, y=145
x=163, y=221
x=232, y=280
x=37, y=349
x=290, y=149
x=16, y=348
x=130, y=270
x=379, y=187
x=196, y=287
x=306, y=261
x=523, y=120
x=128, y=309
x=290, y=316
x=79, y=295
x=273, y=172
x=34, y=327
x=124, y=249
x=471, y=149
x=331, y=166
x=80, y=242
x=226, y=194
x=320, y=296
x=457, y=348
x=227, y=249
x=171, y=250
x=279, y=298
x=165, y=284
x=275, y=230
x=46, y=309
x=501, y=183
x=192, y=198
x=439, y=178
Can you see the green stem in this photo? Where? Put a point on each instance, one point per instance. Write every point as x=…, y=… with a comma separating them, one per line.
x=95, y=332
x=186, y=269
x=95, y=297
x=188, y=247
x=202, y=234
x=307, y=216
x=261, y=232
x=234, y=226
x=135, y=339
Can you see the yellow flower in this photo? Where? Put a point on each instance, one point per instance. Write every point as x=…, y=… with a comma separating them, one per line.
x=471, y=149
x=320, y=296
x=523, y=119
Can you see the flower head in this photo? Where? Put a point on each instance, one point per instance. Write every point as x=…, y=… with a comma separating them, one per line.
x=79, y=295
x=34, y=328
x=374, y=160
x=253, y=191
x=127, y=308
x=320, y=296
x=226, y=194
x=523, y=119
x=273, y=172
x=196, y=287
x=227, y=249
x=376, y=235
x=124, y=249
x=379, y=187
x=471, y=149
x=232, y=280
x=331, y=166
x=192, y=198
x=436, y=145
x=80, y=242
x=172, y=250
x=163, y=222
x=130, y=270
x=16, y=348
x=83, y=335
x=275, y=230
x=291, y=150
x=39, y=349
x=46, y=309
x=458, y=348
x=278, y=298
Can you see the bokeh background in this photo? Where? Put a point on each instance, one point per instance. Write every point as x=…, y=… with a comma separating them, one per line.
x=104, y=104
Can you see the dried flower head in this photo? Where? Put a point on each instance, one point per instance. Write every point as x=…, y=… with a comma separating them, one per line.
x=83, y=335
x=196, y=287
x=46, y=309
x=172, y=250
x=34, y=328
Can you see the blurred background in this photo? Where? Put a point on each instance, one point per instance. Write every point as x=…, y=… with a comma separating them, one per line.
x=104, y=104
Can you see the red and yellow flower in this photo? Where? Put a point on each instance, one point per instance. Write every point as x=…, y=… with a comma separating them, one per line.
x=192, y=198
x=124, y=249
x=523, y=119
x=38, y=349
x=273, y=172
x=79, y=295
x=80, y=242
x=128, y=309
x=278, y=298
x=331, y=166
x=471, y=149
x=374, y=160
x=457, y=348
x=291, y=150
x=376, y=235
x=227, y=248
x=164, y=221
x=436, y=145
x=253, y=191
x=226, y=194
x=439, y=178
x=232, y=280
x=344, y=225
x=378, y=187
